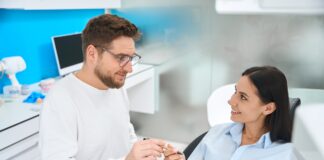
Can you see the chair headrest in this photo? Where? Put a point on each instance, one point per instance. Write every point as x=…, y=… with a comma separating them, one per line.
x=218, y=110
x=294, y=103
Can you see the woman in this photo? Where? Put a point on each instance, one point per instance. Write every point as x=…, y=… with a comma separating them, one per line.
x=262, y=126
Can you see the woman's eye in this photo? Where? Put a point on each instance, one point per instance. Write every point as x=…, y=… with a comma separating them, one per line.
x=243, y=98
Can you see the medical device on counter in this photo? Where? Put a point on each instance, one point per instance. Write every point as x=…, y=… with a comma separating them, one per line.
x=12, y=65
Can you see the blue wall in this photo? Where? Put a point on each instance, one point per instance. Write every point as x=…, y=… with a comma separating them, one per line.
x=28, y=33
x=153, y=22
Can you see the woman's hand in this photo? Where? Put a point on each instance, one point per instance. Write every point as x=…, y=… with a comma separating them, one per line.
x=170, y=153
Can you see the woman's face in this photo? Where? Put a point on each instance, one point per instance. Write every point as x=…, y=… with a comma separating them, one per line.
x=246, y=105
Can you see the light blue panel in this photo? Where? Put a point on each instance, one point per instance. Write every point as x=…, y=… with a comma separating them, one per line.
x=28, y=33
x=153, y=22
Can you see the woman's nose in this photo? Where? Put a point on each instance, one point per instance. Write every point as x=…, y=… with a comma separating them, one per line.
x=231, y=101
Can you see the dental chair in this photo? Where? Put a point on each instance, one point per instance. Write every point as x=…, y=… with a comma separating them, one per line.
x=219, y=111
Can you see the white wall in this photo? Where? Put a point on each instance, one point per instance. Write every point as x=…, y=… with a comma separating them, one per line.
x=226, y=46
x=295, y=44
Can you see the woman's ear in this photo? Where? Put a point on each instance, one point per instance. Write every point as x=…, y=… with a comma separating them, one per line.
x=269, y=108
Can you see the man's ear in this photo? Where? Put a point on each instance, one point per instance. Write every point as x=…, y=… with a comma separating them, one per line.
x=269, y=108
x=91, y=54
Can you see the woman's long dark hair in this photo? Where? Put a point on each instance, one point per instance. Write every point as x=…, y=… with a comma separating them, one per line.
x=271, y=84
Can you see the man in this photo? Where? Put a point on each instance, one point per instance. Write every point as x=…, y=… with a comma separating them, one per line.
x=86, y=115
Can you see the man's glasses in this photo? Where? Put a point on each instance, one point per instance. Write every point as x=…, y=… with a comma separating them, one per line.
x=122, y=58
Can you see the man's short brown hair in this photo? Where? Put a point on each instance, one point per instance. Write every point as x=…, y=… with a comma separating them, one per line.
x=102, y=30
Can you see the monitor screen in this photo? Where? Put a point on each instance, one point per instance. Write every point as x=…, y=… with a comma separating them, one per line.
x=68, y=52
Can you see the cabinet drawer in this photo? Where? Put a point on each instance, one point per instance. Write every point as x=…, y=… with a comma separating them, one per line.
x=141, y=91
x=18, y=132
x=136, y=79
x=26, y=149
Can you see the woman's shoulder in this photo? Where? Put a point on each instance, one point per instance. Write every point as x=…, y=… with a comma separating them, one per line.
x=222, y=127
x=217, y=133
x=286, y=151
x=286, y=146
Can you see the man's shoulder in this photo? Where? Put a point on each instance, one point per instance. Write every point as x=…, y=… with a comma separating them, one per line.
x=65, y=82
x=68, y=79
x=61, y=86
x=61, y=95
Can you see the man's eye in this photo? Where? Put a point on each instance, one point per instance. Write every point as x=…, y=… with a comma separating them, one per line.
x=122, y=58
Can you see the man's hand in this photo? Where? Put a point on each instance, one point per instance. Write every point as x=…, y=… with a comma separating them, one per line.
x=170, y=153
x=146, y=150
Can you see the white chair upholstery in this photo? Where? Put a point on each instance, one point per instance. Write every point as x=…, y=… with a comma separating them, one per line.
x=218, y=110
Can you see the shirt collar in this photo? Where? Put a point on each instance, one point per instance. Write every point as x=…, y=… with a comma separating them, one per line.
x=265, y=140
x=236, y=133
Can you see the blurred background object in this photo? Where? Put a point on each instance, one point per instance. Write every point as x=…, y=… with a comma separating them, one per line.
x=193, y=48
x=12, y=65
x=197, y=50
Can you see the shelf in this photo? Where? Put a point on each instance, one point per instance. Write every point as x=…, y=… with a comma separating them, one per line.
x=59, y=4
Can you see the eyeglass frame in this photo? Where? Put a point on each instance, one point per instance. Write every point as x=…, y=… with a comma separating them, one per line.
x=119, y=57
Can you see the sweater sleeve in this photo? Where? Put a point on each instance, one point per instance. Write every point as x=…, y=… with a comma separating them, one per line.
x=58, y=127
x=132, y=135
x=122, y=158
x=133, y=139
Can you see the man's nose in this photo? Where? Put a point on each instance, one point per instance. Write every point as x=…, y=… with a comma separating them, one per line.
x=128, y=67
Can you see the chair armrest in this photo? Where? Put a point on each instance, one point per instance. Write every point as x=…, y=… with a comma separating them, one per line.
x=191, y=147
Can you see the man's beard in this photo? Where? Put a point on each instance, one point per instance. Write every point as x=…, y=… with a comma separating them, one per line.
x=108, y=79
